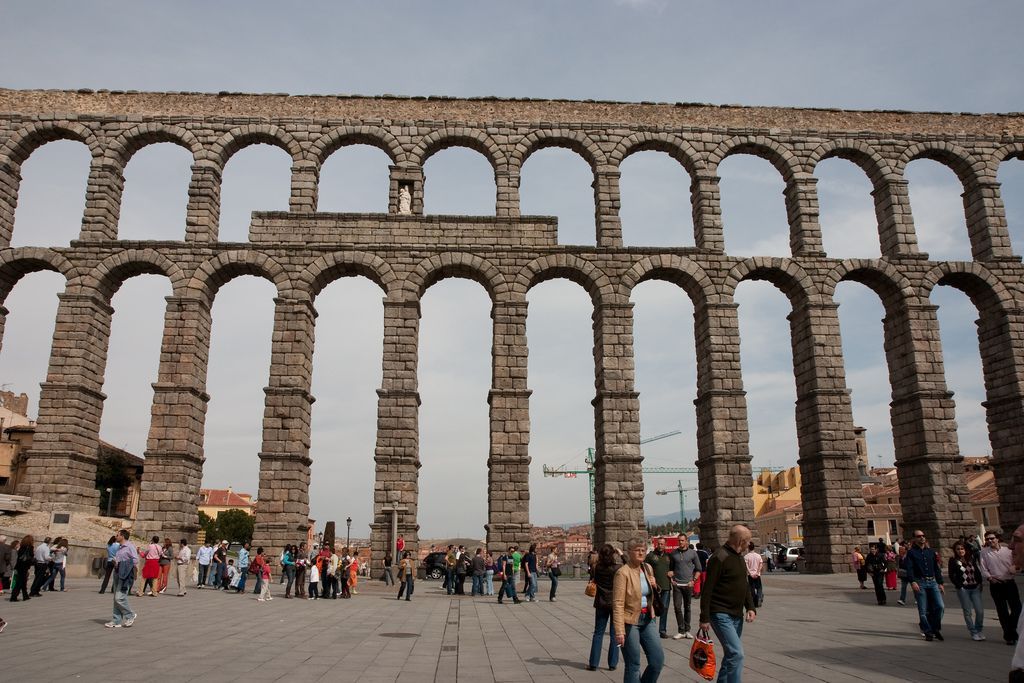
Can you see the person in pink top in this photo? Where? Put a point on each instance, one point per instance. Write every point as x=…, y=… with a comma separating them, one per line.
x=151, y=569
x=754, y=563
x=263, y=568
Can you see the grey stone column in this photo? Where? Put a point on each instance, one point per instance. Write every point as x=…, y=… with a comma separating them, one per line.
x=10, y=181
x=202, y=222
x=986, y=221
x=411, y=177
x=607, y=203
x=397, y=455
x=305, y=186
x=102, y=201
x=618, y=478
x=830, y=483
x=61, y=465
x=706, y=205
x=895, y=222
x=508, y=467
x=933, y=493
x=802, y=212
x=723, y=441
x=507, y=182
x=169, y=501
x=1002, y=358
x=282, y=516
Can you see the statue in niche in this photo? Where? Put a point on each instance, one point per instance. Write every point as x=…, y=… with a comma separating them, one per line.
x=404, y=200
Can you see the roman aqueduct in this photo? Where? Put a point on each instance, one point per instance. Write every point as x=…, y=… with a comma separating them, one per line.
x=404, y=252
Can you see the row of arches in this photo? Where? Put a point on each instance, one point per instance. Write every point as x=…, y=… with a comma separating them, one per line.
x=907, y=319
x=883, y=165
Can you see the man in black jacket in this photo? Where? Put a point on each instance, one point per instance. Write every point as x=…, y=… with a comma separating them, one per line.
x=725, y=597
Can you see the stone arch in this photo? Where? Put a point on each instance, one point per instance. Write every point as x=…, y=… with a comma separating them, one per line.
x=239, y=138
x=960, y=161
x=791, y=279
x=673, y=145
x=431, y=270
x=123, y=147
x=777, y=154
x=881, y=277
x=569, y=267
x=30, y=138
x=108, y=276
x=859, y=152
x=574, y=140
x=17, y=263
x=330, y=267
x=985, y=290
x=472, y=138
x=217, y=271
x=675, y=269
x=343, y=136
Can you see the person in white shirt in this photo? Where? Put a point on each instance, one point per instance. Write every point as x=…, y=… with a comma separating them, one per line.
x=997, y=566
x=181, y=564
x=42, y=560
x=204, y=556
x=314, y=582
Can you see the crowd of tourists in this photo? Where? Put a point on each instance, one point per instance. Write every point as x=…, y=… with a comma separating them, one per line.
x=968, y=568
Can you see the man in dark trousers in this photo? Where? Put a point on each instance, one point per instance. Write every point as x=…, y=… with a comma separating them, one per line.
x=685, y=567
x=725, y=600
x=924, y=573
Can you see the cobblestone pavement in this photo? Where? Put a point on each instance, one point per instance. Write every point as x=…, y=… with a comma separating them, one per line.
x=811, y=628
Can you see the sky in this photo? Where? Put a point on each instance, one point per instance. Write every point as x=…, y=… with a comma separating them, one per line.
x=928, y=56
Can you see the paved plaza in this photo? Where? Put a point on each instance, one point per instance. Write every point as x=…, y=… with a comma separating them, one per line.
x=811, y=628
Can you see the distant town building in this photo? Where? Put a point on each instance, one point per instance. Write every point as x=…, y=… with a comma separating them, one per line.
x=212, y=502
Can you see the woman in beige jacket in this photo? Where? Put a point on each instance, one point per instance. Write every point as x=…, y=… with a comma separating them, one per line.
x=633, y=615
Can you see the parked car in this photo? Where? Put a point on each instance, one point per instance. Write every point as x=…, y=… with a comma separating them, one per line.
x=434, y=565
x=790, y=557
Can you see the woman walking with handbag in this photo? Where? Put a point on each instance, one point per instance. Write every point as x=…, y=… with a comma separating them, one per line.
x=406, y=576
x=554, y=571
x=602, y=575
x=965, y=573
x=634, y=596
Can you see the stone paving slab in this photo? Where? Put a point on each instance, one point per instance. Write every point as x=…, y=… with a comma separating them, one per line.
x=811, y=628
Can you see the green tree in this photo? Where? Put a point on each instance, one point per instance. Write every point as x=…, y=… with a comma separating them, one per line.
x=234, y=526
x=209, y=525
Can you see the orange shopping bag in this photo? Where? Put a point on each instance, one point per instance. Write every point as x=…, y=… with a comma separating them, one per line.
x=702, y=655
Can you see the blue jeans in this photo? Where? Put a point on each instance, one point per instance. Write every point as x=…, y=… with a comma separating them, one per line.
x=903, y=589
x=449, y=581
x=58, y=569
x=508, y=589
x=243, y=573
x=554, y=586
x=666, y=599
x=929, y=606
x=643, y=635
x=289, y=575
x=531, y=590
x=122, y=612
x=602, y=618
x=478, y=585
x=406, y=587
x=203, y=570
x=214, y=577
x=489, y=581
x=970, y=601
x=729, y=630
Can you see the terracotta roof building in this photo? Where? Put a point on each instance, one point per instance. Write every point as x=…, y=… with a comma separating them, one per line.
x=212, y=502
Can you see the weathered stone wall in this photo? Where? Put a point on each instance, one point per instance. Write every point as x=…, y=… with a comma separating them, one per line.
x=302, y=251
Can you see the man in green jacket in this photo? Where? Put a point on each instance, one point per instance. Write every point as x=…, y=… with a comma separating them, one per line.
x=661, y=563
x=725, y=597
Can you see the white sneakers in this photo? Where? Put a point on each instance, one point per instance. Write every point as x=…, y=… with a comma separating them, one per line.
x=680, y=636
x=977, y=636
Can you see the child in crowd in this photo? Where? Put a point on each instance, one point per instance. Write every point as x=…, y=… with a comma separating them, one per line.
x=314, y=582
x=231, y=576
x=265, y=584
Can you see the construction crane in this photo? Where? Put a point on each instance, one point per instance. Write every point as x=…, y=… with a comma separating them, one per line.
x=682, y=499
x=589, y=471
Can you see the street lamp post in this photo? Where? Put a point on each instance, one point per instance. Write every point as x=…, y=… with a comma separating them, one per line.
x=110, y=500
x=348, y=532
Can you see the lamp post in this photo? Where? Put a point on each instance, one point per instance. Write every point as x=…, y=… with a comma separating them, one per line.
x=682, y=501
x=110, y=500
x=348, y=532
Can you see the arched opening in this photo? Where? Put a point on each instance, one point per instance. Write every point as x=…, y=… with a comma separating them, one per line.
x=937, y=206
x=154, y=202
x=51, y=196
x=239, y=361
x=454, y=379
x=754, y=219
x=355, y=179
x=766, y=361
x=666, y=379
x=28, y=335
x=655, y=194
x=1011, y=181
x=559, y=182
x=346, y=375
x=133, y=360
x=561, y=377
x=867, y=374
x=849, y=228
x=257, y=178
x=962, y=362
x=459, y=181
